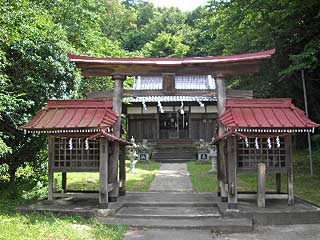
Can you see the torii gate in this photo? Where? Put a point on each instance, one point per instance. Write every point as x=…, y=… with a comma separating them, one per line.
x=120, y=68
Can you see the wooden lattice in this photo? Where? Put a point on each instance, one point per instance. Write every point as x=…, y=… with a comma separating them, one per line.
x=249, y=156
x=81, y=156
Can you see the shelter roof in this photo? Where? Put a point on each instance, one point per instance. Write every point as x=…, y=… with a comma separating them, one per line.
x=232, y=64
x=230, y=133
x=266, y=114
x=110, y=136
x=73, y=116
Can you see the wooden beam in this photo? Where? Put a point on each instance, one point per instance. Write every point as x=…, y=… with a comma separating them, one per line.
x=288, y=147
x=238, y=93
x=278, y=182
x=261, y=193
x=222, y=173
x=50, y=164
x=117, y=108
x=232, y=173
x=103, y=173
x=146, y=93
x=64, y=181
x=253, y=196
x=122, y=170
x=231, y=93
x=236, y=68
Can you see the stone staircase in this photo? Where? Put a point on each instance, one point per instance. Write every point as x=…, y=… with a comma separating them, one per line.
x=174, y=152
x=176, y=211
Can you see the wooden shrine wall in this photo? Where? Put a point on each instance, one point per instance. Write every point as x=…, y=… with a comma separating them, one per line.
x=75, y=154
x=274, y=156
x=203, y=126
x=143, y=127
x=147, y=126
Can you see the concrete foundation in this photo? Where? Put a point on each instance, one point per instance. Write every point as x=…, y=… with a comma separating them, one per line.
x=180, y=210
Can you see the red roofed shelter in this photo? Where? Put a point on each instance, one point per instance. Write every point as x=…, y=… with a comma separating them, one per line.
x=258, y=138
x=80, y=139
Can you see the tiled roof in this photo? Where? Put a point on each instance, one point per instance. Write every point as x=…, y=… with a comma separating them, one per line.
x=73, y=114
x=245, y=114
x=171, y=99
x=184, y=82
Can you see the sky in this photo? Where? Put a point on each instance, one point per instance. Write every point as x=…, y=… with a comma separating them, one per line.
x=184, y=5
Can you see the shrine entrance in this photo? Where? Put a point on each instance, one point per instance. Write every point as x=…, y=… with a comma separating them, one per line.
x=174, y=125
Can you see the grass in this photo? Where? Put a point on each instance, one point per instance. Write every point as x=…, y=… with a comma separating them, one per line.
x=201, y=180
x=305, y=186
x=138, y=182
x=16, y=226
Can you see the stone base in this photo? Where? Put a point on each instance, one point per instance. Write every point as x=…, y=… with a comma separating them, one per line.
x=143, y=157
x=104, y=212
x=203, y=157
x=112, y=199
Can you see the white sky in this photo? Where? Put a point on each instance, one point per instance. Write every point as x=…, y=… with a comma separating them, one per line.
x=184, y=5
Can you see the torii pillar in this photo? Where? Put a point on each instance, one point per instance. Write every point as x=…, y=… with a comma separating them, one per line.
x=114, y=159
x=222, y=173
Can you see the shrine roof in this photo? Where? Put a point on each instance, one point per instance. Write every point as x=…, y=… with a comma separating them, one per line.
x=263, y=115
x=232, y=64
x=171, y=99
x=73, y=116
x=110, y=136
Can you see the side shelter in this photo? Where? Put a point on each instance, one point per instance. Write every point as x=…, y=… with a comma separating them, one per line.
x=258, y=139
x=80, y=139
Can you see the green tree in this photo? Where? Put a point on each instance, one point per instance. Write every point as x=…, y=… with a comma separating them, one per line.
x=166, y=45
x=34, y=68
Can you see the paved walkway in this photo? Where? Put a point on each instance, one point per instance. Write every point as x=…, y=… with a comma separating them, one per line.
x=172, y=177
x=291, y=232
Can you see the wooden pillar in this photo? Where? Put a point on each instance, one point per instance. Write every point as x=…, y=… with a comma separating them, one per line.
x=189, y=124
x=278, y=182
x=222, y=174
x=158, y=126
x=232, y=173
x=178, y=130
x=288, y=147
x=122, y=170
x=261, y=193
x=103, y=173
x=64, y=182
x=117, y=108
x=50, y=164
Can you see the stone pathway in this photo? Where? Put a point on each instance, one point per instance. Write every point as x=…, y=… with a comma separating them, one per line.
x=172, y=177
x=290, y=232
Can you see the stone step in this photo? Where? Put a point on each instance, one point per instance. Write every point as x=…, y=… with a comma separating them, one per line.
x=173, y=150
x=169, y=212
x=173, y=146
x=173, y=156
x=173, y=160
x=210, y=223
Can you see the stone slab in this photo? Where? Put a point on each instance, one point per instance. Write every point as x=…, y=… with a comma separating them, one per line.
x=172, y=212
x=214, y=224
x=162, y=234
x=276, y=212
x=291, y=232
